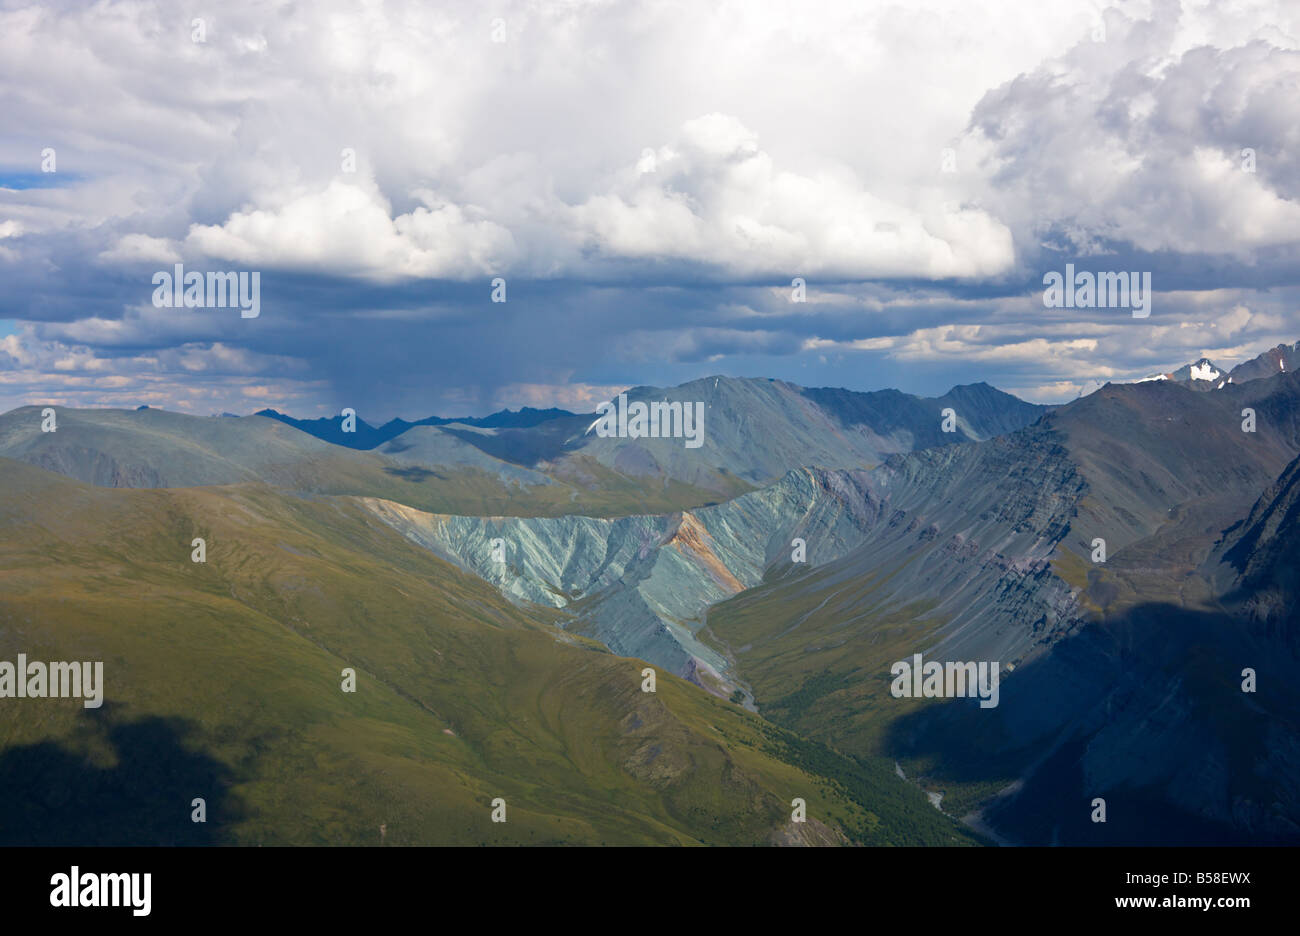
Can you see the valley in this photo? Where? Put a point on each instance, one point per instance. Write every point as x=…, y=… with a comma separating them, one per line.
x=498, y=637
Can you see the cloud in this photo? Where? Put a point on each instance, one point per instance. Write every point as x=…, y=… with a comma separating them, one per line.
x=141, y=248
x=1139, y=143
x=197, y=378
x=714, y=197
x=649, y=177
x=578, y=398
x=349, y=229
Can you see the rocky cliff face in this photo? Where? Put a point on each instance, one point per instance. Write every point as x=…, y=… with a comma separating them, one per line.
x=1143, y=704
x=972, y=531
x=968, y=531
x=641, y=585
x=1121, y=679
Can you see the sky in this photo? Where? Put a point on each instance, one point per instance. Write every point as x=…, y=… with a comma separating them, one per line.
x=649, y=180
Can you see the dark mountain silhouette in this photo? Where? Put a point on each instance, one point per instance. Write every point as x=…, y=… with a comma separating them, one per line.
x=367, y=436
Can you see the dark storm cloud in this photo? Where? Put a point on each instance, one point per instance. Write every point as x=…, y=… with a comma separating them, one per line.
x=649, y=182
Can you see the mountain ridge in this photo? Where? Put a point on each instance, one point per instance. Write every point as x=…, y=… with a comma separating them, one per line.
x=534, y=458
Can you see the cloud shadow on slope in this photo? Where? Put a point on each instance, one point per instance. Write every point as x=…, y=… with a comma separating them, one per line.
x=1144, y=710
x=52, y=795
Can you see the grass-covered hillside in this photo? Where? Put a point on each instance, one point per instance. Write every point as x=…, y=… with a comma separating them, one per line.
x=223, y=681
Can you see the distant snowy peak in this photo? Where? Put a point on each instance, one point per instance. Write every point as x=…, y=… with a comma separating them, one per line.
x=1200, y=375
x=1206, y=375
x=1203, y=371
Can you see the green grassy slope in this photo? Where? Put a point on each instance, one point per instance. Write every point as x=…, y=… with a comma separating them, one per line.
x=159, y=449
x=602, y=492
x=223, y=682
x=817, y=655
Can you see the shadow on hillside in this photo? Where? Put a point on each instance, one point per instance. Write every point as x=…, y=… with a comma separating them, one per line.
x=1145, y=710
x=52, y=795
x=414, y=474
x=524, y=447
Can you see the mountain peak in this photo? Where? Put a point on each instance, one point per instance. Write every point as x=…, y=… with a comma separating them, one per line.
x=1280, y=360
x=1204, y=374
x=980, y=387
x=1201, y=369
x=1201, y=374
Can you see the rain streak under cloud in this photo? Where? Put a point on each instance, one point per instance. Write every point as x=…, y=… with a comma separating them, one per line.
x=648, y=179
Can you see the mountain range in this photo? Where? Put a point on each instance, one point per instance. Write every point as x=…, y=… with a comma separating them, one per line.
x=1204, y=374
x=501, y=583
